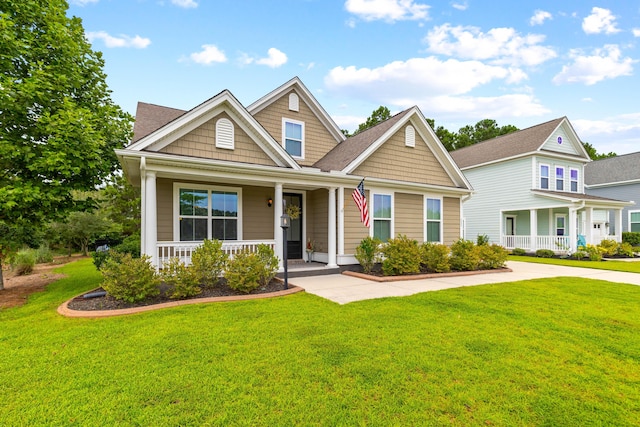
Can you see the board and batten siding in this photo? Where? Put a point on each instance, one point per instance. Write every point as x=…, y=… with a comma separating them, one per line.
x=394, y=160
x=318, y=141
x=409, y=215
x=451, y=214
x=626, y=192
x=201, y=142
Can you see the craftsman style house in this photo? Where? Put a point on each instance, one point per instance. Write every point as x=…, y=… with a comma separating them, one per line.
x=225, y=171
x=618, y=178
x=529, y=191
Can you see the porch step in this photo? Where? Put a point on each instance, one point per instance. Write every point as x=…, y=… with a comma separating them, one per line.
x=298, y=268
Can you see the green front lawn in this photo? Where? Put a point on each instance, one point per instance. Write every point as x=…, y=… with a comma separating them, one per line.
x=541, y=352
x=628, y=266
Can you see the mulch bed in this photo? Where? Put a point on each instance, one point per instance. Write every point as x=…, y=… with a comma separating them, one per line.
x=107, y=302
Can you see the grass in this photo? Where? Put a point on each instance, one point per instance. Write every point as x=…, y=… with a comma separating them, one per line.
x=627, y=266
x=540, y=352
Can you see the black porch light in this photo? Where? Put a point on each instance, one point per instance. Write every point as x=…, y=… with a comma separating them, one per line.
x=285, y=223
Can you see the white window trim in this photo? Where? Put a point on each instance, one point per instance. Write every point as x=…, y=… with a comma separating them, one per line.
x=555, y=178
x=577, y=182
x=284, y=136
x=548, y=176
x=555, y=224
x=370, y=204
x=515, y=224
x=176, y=206
x=425, y=219
x=629, y=218
x=224, y=143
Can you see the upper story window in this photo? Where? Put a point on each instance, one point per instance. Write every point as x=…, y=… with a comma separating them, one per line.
x=382, y=216
x=544, y=177
x=573, y=178
x=207, y=213
x=410, y=136
x=559, y=178
x=224, y=134
x=293, y=137
x=434, y=220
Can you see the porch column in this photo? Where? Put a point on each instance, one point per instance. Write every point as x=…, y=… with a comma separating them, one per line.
x=151, y=217
x=618, y=225
x=331, y=250
x=340, y=220
x=589, y=226
x=573, y=230
x=533, y=229
x=277, y=231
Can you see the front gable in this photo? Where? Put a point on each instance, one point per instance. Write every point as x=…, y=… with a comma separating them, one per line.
x=564, y=140
x=396, y=160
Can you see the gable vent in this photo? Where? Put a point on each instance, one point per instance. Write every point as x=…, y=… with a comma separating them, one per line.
x=224, y=134
x=294, y=102
x=410, y=136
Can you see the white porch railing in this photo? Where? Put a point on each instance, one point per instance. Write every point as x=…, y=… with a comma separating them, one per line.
x=184, y=250
x=554, y=243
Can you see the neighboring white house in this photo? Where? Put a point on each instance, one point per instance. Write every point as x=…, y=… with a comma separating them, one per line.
x=529, y=191
x=619, y=178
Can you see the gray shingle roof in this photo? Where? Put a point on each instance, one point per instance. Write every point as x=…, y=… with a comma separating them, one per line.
x=150, y=117
x=614, y=169
x=348, y=150
x=513, y=144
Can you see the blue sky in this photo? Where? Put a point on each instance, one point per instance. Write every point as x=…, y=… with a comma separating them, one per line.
x=461, y=61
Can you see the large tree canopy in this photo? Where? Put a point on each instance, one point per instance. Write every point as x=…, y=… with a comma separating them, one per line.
x=58, y=124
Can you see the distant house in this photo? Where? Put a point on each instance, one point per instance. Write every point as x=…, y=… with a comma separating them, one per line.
x=224, y=171
x=618, y=178
x=529, y=190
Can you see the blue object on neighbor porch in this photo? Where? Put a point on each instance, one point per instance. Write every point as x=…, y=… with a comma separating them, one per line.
x=582, y=241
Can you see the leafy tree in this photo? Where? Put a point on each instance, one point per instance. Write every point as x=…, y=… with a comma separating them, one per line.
x=83, y=228
x=121, y=204
x=594, y=155
x=58, y=124
x=378, y=115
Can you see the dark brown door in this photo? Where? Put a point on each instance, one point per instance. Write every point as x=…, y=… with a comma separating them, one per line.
x=294, y=233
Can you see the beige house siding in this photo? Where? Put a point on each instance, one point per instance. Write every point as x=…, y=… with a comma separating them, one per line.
x=201, y=142
x=318, y=218
x=317, y=139
x=164, y=191
x=354, y=230
x=451, y=226
x=394, y=160
x=408, y=215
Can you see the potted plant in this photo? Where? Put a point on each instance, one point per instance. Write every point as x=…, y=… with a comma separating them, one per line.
x=311, y=248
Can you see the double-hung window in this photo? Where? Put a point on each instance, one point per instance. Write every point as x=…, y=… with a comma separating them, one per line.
x=293, y=137
x=434, y=220
x=573, y=178
x=544, y=177
x=382, y=216
x=207, y=213
x=559, y=178
x=634, y=221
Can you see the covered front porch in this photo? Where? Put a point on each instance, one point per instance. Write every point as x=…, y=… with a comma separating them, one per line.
x=560, y=229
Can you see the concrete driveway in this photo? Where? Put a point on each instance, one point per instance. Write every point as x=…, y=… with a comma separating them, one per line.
x=345, y=289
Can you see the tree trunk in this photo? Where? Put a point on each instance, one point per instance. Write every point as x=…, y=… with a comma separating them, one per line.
x=1, y=276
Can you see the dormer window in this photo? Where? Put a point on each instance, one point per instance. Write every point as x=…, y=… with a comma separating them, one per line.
x=293, y=137
x=410, y=136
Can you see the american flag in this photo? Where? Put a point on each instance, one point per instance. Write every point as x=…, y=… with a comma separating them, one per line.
x=361, y=202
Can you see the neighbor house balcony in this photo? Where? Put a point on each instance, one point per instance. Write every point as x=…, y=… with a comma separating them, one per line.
x=558, y=244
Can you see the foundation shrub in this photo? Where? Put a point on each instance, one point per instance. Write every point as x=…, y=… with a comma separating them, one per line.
x=182, y=280
x=631, y=237
x=593, y=252
x=129, y=279
x=580, y=254
x=244, y=271
x=608, y=247
x=269, y=262
x=23, y=262
x=130, y=245
x=544, y=253
x=208, y=261
x=491, y=256
x=401, y=256
x=435, y=257
x=482, y=240
x=464, y=256
x=518, y=252
x=625, y=249
x=368, y=253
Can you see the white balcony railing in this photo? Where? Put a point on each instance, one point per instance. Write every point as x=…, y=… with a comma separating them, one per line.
x=184, y=250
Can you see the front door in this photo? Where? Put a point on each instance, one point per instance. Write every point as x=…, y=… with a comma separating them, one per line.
x=294, y=232
x=510, y=226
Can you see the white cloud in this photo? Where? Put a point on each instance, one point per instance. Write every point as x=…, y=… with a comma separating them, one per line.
x=636, y=32
x=539, y=17
x=600, y=21
x=275, y=59
x=618, y=134
x=110, y=41
x=208, y=55
x=387, y=10
x=460, y=6
x=605, y=63
x=187, y=4
x=82, y=2
x=500, y=45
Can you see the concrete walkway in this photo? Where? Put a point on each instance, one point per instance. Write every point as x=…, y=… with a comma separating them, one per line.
x=345, y=289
